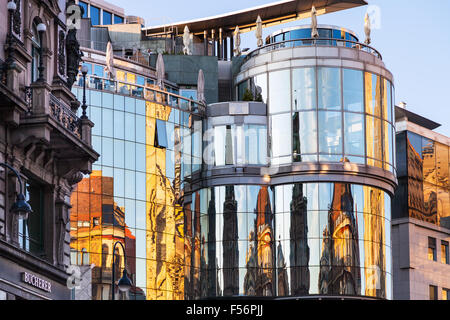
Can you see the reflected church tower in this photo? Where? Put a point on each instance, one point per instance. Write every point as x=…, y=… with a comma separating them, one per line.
x=298, y=234
x=340, y=262
x=264, y=244
x=230, y=244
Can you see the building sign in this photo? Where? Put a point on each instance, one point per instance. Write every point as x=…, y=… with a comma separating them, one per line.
x=37, y=282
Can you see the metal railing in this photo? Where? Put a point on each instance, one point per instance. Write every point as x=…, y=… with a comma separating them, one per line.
x=313, y=42
x=138, y=56
x=150, y=93
x=63, y=114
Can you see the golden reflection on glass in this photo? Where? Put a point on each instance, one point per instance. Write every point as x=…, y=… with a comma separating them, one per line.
x=373, y=94
x=444, y=207
x=99, y=224
x=340, y=262
x=374, y=240
x=430, y=203
x=165, y=279
x=442, y=165
x=429, y=161
x=374, y=141
x=386, y=145
x=386, y=87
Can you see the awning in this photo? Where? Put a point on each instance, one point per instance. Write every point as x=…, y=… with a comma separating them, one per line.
x=271, y=14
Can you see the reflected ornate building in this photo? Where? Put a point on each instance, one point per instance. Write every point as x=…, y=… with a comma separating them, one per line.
x=421, y=210
x=340, y=262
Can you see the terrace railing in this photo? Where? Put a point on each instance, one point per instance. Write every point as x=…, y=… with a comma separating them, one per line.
x=312, y=42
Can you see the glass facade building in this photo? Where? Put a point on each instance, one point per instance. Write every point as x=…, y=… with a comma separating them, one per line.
x=424, y=190
x=133, y=195
x=286, y=196
x=312, y=214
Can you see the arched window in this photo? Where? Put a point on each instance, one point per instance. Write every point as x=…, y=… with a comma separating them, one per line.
x=35, y=53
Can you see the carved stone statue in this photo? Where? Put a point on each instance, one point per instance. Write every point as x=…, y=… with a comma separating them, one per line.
x=74, y=56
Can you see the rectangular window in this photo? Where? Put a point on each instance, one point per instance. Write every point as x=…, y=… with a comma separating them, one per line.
x=330, y=132
x=31, y=230
x=432, y=249
x=304, y=88
x=433, y=293
x=118, y=20
x=84, y=5
x=373, y=94
x=256, y=144
x=160, y=134
x=445, y=294
x=107, y=17
x=329, y=88
x=353, y=90
x=95, y=16
x=444, y=252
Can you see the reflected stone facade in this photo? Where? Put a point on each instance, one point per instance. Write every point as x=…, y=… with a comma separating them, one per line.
x=311, y=217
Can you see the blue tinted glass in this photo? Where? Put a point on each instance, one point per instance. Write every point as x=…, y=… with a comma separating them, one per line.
x=130, y=155
x=161, y=140
x=118, y=19
x=84, y=5
x=95, y=16
x=353, y=90
x=98, y=70
x=300, y=34
x=107, y=17
x=140, y=80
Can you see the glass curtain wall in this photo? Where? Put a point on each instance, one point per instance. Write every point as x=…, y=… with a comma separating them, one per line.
x=289, y=240
x=133, y=195
x=325, y=114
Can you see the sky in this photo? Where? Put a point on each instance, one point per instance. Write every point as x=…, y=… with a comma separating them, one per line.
x=413, y=36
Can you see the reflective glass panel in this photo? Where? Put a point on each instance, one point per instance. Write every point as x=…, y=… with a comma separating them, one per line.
x=304, y=88
x=329, y=88
x=330, y=132
x=354, y=134
x=281, y=135
x=353, y=90
x=373, y=139
x=373, y=94
x=280, y=89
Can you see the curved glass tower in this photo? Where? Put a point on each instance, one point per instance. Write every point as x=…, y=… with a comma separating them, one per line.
x=294, y=199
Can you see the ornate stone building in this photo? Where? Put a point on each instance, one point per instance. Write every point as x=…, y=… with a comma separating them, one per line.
x=45, y=149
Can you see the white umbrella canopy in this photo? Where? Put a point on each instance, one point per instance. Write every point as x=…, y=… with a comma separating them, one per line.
x=160, y=71
x=110, y=61
x=187, y=41
x=237, y=42
x=258, y=32
x=314, y=32
x=201, y=87
x=367, y=29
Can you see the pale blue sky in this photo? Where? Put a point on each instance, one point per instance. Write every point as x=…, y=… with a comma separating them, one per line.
x=414, y=39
